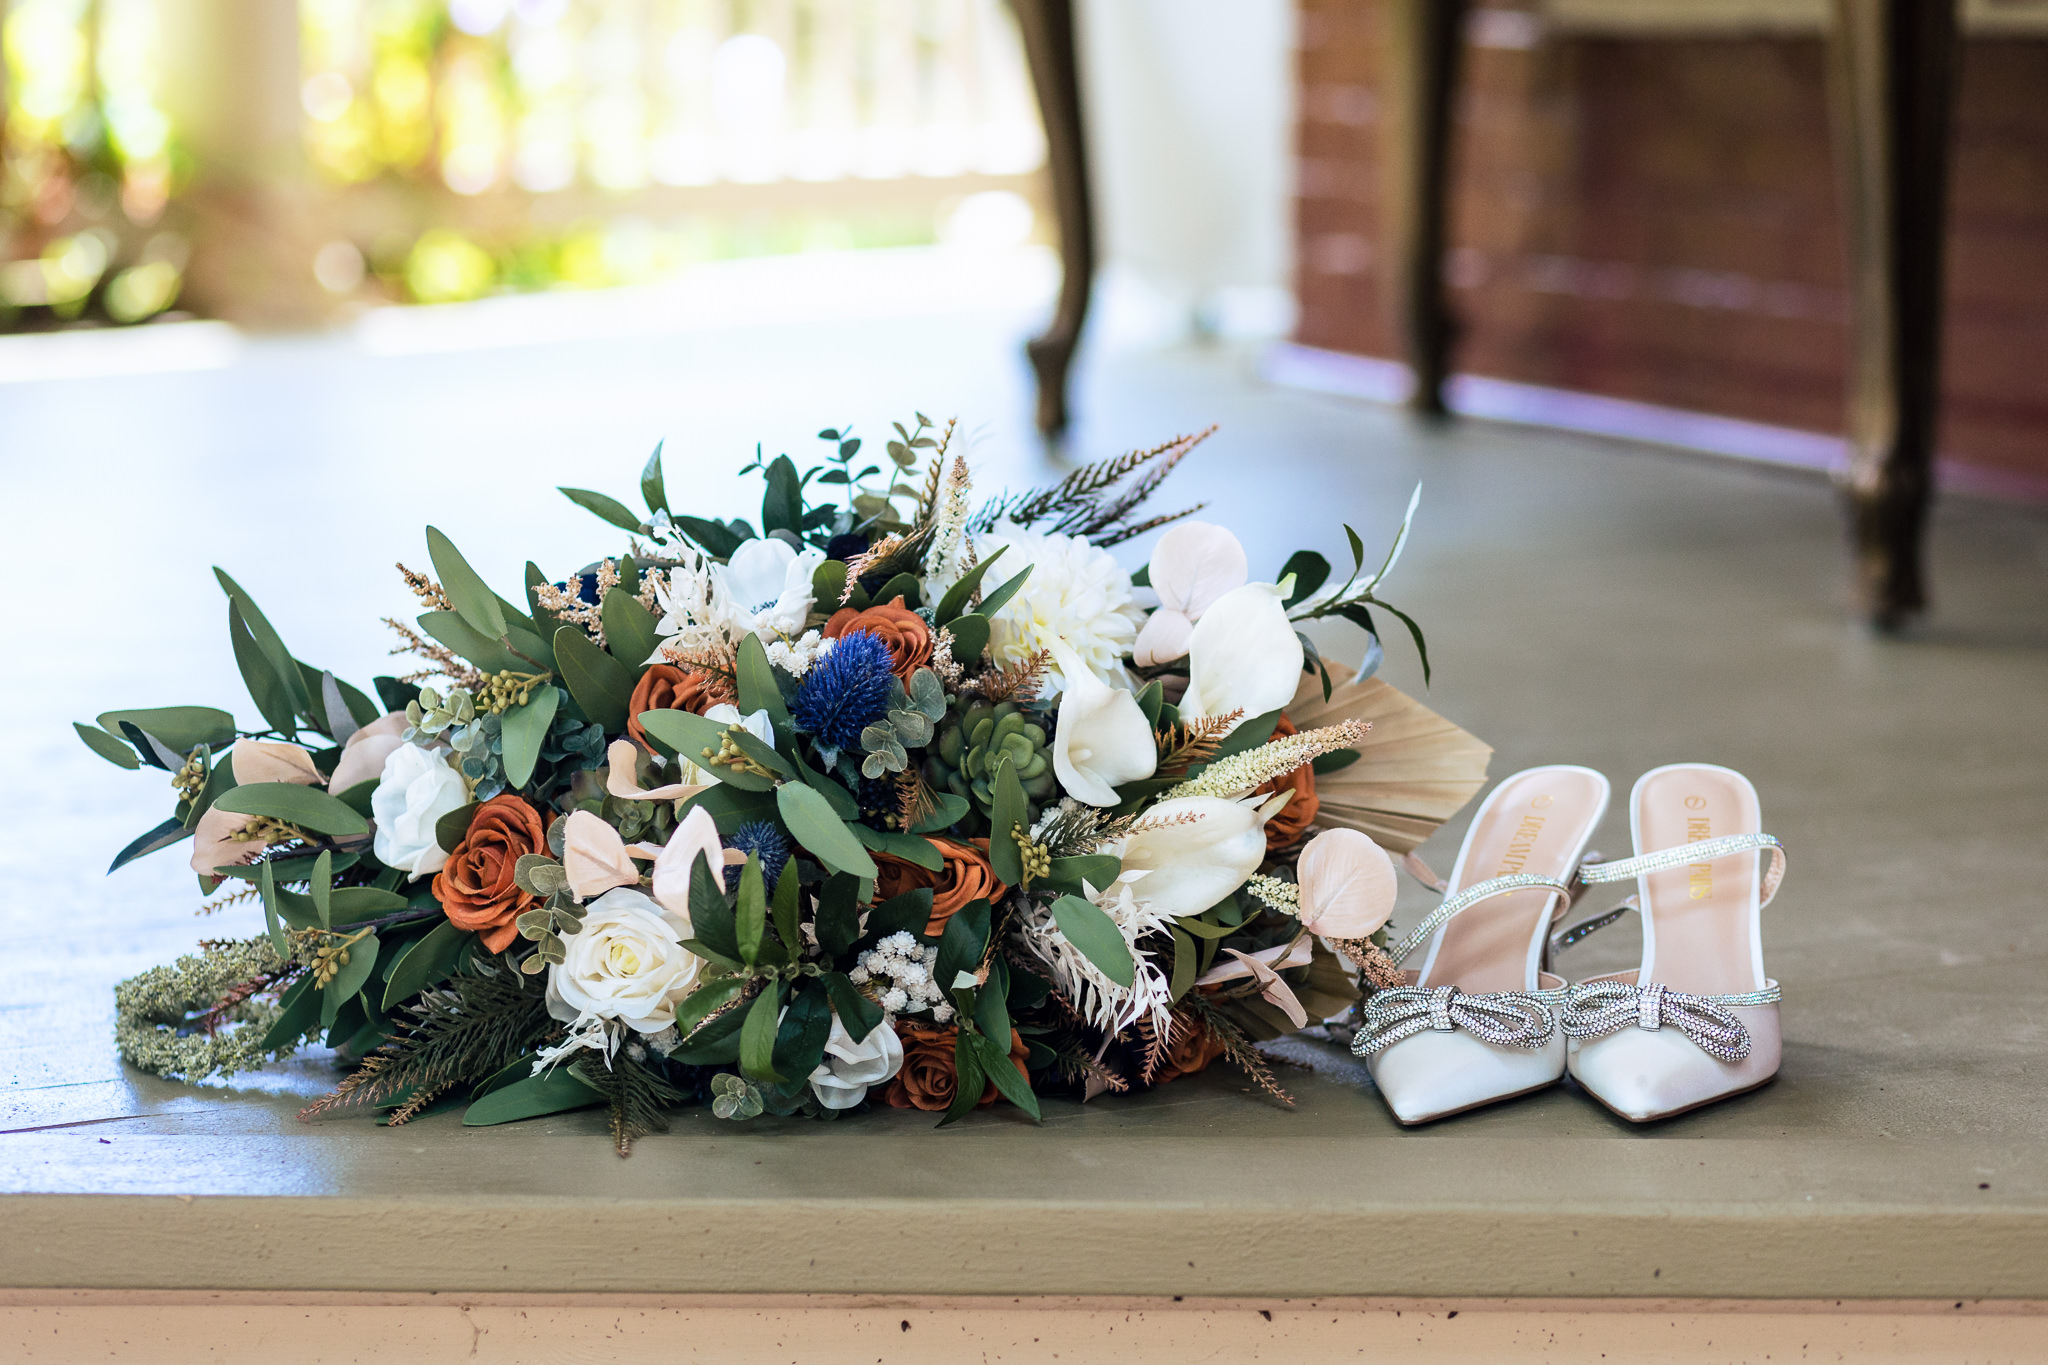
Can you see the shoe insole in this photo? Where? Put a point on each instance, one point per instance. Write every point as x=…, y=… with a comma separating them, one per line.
x=1697, y=918
x=1536, y=821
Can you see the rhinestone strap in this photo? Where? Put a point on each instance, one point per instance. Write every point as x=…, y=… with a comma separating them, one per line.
x=1465, y=900
x=1705, y=851
x=1507, y=1018
x=1594, y=1009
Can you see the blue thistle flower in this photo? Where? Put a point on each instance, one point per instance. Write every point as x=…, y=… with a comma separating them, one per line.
x=766, y=842
x=846, y=691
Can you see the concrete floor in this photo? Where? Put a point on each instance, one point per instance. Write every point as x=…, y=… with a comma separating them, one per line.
x=1586, y=602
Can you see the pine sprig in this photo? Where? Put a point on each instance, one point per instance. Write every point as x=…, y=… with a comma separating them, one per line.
x=1088, y=502
x=1236, y=1046
x=637, y=1097
x=460, y=1033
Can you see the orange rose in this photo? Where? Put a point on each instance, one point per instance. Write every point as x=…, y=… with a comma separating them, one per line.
x=928, y=1079
x=1191, y=1048
x=895, y=625
x=1297, y=815
x=476, y=886
x=964, y=876
x=665, y=687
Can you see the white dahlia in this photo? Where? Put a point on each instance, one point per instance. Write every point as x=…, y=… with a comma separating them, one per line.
x=1076, y=593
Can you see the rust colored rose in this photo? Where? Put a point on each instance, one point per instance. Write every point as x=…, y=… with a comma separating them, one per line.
x=928, y=1079
x=476, y=886
x=1297, y=815
x=964, y=876
x=1191, y=1049
x=895, y=625
x=665, y=687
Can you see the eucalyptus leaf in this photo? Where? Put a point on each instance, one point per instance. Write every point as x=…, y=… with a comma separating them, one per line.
x=967, y=1079
x=450, y=828
x=903, y=585
x=909, y=912
x=183, y=728
x=948, y=810
x=652, y=489
x=629, y=633
x=750, y=915
x=308, y=808
x=757, y=1035
x=169, y=832
x=1184, y=957
x=267, y=642
x=811, y=821
x=298, y=1015
x=1097, y=869
x=424, y=963
x=1010, y=811
x=107, y=746
x=551, y=1092
x=471, y=597
x=1310, y=571
x=782, y=509
x=610, y=509
x=962, y=942
x=267, y=688
x=362, y=961
x=970, y=638
x=526, y=729
x=1091, y=930
x=601, y=685
x=909, y=847
x=755, y=680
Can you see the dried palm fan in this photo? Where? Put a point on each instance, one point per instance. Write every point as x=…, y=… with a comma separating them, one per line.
x=1415, y=771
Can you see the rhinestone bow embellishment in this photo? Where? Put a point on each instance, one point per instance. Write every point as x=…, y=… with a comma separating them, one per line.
x=1508, y=1018
x=1594, y=1009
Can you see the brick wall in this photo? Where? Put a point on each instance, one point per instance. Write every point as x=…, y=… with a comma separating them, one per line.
x=1659, y=220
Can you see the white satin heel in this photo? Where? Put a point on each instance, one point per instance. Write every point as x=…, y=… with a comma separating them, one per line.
x=1477, y=1022
x=1698, y=1021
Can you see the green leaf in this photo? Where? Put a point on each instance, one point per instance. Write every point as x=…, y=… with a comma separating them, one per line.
x=961, y=594
x=1333, y=761
x=491, y=655
x=1184, y=957
x=782, y=509
x=705, y=1001
x=828, y=585
x=1150, y=700
x=842, y=802
x=266, y=688
x=1202, y=928
x=526, y=728
x=362, y=960
x=717, y=1043
x=1414, y=633
x=611, y=509
x=718, y=539
x=948, y=810
x=629, y=633
x=267, y=642
x=266, y=886
x=903, y=585
x=907, y=913
x=1010, y=811
x=750, y=918
x=967, y=1078
x=321, y=884
x=711, y=919
x=757, y=1035
x=970, y=638
x=800, y=1037
x=1247, y=736
x=183, y=728
x=354, y=904
x=810, y=820
x=1310, y=572
x=1097, y=869
x=1096, y=935
x=1357, y=549
x=299, y=1015
x=909, y=847
x=601, y=685
x=307, y=807
x=991, y=1002
x=838, y=916
x=551, y=1092
x=106, y=746
x=1141, y=577
x=423, y=964
x=696, y=737
x=652, y=490
x=860, y=1014
x=994, y=1058
x=450, y=828
x=544, y=621
x=786, y=906
x=729, y=807
x=755, y=678
x=1000, y=598
x=466, y=589
x=755, y=748
x=962, y=943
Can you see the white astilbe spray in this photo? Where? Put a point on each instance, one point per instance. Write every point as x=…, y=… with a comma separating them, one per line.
x=901, y=972
x=1241, y=773
x=1106, y=1005
x=952, y=551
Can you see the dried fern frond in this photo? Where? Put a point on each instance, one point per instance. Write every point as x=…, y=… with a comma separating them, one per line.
x=914, y=799
x=1188, y=742
x=1018, y=682
x=1236, y=1046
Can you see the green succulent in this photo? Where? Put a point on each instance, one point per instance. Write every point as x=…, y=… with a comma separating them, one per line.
x=972, y=739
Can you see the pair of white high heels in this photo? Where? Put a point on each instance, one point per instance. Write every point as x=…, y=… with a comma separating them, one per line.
x=1483, y=1019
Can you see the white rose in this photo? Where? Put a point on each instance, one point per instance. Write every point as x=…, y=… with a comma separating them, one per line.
x=626, y=963
x=415, y=790
x=842, y=1079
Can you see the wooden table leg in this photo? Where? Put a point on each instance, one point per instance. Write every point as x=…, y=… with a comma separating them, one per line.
x=1892, y=81
x=1421, y=46
x=1048, y=30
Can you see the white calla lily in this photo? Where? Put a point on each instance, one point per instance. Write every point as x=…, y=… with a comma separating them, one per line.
x=1243, y=655
x=1192, y=567
x=696, y=836
x=1102, y=739
x=1193, y=851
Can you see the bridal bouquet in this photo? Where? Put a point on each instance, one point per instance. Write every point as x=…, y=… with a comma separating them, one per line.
x=900, y=798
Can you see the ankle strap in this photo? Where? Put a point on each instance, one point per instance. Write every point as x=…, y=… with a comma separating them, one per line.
x=1466, y=899
x=1705, y=851
x=1592, y=873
